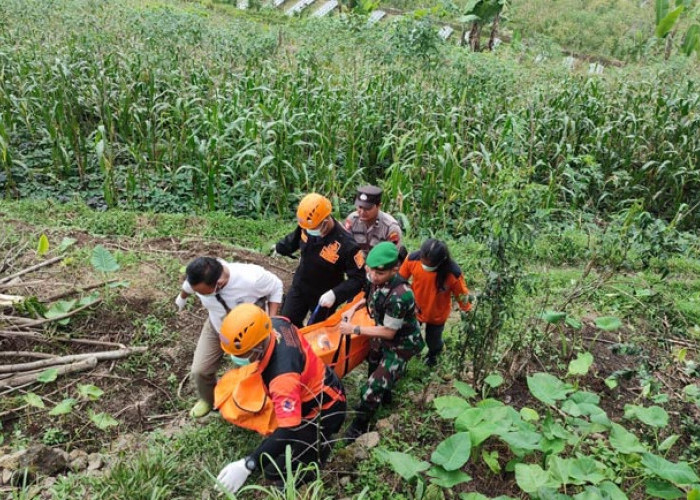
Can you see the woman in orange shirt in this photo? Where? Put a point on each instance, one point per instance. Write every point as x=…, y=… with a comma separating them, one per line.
x=435, y=278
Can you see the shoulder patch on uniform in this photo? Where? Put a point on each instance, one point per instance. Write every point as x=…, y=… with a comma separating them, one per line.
x=393, y=237
x=288, y=405
x=359, y=259
x=330, y=252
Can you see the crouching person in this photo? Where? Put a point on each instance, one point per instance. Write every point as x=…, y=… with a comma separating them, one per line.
x=308, y=397
x=397, y=337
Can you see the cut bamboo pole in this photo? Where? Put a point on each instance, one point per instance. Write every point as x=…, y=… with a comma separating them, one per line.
x=28, y=378
x=62, y=360
x=30, y=269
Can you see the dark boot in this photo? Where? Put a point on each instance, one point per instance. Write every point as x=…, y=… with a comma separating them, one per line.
x=359, y=425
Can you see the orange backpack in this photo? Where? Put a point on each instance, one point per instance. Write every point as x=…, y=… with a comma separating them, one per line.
x=240, y=394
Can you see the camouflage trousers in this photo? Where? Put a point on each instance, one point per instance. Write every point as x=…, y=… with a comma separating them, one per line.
x=387, y=365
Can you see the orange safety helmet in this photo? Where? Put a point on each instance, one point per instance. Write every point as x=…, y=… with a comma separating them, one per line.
x=313, y=208
x=244, y=328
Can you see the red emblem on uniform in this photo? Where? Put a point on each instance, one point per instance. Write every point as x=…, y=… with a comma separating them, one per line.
x=288, y=405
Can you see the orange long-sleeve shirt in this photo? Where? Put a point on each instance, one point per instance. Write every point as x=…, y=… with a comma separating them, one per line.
x=434, y=306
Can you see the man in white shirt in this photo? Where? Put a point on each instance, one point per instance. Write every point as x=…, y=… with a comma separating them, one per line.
x=221, y=286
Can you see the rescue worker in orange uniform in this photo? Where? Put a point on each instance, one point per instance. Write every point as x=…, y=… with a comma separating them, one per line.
x=328, y=254
x=435, y=279
x=308, y=398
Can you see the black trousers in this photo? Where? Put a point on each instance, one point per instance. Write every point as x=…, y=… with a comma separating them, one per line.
x=433, y=337
x=309, y=442
x=299, y=302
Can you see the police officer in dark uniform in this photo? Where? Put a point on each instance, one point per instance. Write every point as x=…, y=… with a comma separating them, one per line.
x=369, y=225
x=328, y=254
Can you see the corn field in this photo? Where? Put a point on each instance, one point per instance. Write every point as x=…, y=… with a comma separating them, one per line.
x=156, y=106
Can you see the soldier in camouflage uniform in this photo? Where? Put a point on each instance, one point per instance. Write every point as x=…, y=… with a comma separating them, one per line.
x=396, y=336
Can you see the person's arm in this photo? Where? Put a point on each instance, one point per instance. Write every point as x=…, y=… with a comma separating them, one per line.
x=394, y=234
x=461, y=293
x=181, y=299
x=290, y=243
x=347, y=315
x=354, y=267
x=382, y=332
x=268, y=285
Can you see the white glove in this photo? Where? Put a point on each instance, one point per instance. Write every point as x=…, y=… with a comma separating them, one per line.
x=327, y=299
x=180, y=302
x=233, y=475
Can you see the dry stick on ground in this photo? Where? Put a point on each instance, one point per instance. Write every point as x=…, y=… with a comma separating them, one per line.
x=63, y=360
x=20, y=284
x=86, y=364
x=78, y=290
x=41, y=338
x=30, y=269
x=26, y=354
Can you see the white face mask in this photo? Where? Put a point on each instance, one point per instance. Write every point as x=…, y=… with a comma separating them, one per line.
x=314, y=232
x=429, y=269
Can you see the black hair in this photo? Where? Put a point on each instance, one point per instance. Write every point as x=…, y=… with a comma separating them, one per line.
x=437, y=254
x=205, y=270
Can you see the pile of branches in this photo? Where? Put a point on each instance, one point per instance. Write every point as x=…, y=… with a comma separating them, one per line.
x=12, y=325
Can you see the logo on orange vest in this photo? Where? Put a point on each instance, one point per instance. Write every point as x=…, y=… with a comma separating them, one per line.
x=288, y=405
x=330, y=252
x=359, y=259
x=304, y=237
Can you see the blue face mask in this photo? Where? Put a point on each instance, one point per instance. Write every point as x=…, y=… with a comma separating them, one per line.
x=314, y=232
x=240, y=361
x=430, y=269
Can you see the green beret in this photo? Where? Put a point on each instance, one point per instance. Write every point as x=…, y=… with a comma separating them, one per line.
x=384, y=256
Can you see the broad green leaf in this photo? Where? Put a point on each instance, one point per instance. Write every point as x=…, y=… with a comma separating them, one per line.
x=65, y=244
x=552, y=446
x=581, y=364
x=553, y=317
x=88, y=299
x=473, y=496
x=494, y=380
x=573, y=323
x=522, y=441
x=47, y=376
x=406, y=465
x=490, y=458
x=586, y=470
x=665, y=26
x=59, y=308
x=529, y=415
x=611, y=382
x=103, y=261
x=448, y=479
x=694, y=494
x=531, y=478
x=661, y=9
x=91, y=392
x=611, y=491
x=453, y=452
x=608, y=323
x=469, y=418
x=103, y=420
x=482, y=431
x=585, y=397
x=450, y=406
x=668, y=443
x=653, y=415
x=464, y=389
x=559, y=469
x=548, y=388
x=662, y=489
x=680, y=473
x=119, y=284
x=34, y=400
x=43, y=245
x=624, y=441
x=691, y=40
x=63, y=408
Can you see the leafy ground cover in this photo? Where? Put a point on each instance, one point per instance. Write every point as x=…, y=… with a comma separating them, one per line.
x=605, y=399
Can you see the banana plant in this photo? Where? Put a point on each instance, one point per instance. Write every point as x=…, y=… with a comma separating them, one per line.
x=479, y=13
x=667, y=25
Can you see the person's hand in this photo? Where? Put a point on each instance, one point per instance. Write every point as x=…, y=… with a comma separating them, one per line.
x=327, y=299
x=180, y=302
x=346, y=328
x=347, y=316
x=233, y=475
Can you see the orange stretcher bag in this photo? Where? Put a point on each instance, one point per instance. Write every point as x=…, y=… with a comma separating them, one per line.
x=240, y=394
